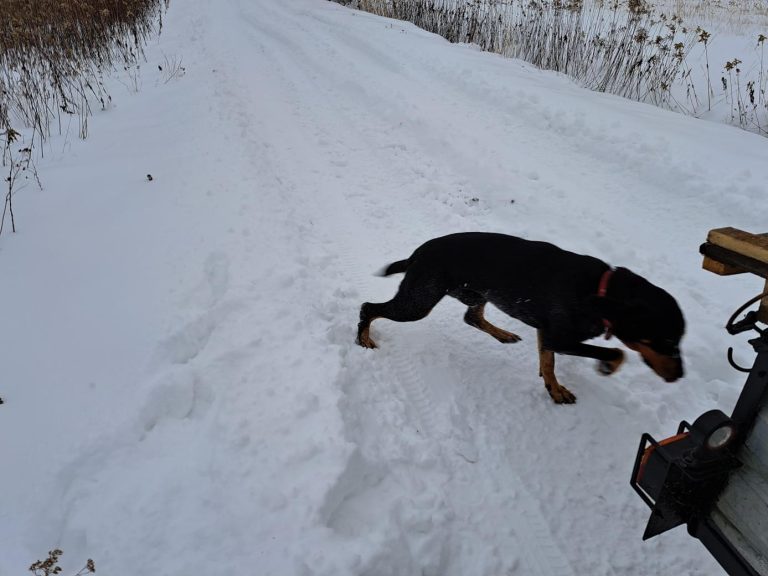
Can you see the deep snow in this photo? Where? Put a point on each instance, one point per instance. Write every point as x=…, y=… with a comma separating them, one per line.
x=182, y=390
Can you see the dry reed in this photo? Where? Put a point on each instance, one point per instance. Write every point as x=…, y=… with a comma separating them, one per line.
x=625, y=47
x=54, y=53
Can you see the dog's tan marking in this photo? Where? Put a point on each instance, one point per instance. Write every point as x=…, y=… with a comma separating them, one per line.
x=665, y=366
x=560, y=394
x=474, y=317
x=364, y=337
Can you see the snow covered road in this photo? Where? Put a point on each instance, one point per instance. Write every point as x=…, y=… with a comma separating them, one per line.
x=183, y=391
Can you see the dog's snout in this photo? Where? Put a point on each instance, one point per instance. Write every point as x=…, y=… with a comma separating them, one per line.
x=678, y=371
x=668, y=367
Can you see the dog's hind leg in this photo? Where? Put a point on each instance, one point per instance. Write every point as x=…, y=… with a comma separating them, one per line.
x=474, y=317
x=560, y=394
x=413, y=301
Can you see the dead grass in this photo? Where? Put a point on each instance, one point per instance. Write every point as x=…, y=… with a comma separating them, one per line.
x=54, y=53
x=621, y=47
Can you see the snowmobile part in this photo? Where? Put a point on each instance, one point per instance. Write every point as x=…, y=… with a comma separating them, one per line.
x=713, y=475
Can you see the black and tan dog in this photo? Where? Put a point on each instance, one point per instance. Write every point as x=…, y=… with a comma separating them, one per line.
x=567, y=297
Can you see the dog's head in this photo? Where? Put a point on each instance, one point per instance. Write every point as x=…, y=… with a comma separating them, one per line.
x=646, y=319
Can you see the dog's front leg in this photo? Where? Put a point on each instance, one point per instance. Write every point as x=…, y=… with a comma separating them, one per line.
x=559, y=393
x=609, y=359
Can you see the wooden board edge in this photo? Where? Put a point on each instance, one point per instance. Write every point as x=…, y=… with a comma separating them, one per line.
x=752, y=245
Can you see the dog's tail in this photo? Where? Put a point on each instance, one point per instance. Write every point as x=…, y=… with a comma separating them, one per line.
x=394, y=268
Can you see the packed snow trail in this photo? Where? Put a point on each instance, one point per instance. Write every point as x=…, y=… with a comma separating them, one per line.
x=183, y=391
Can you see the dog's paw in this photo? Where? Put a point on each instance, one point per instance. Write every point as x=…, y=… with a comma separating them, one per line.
x=366, y=342
x=565, y=397
x=561, y=395
x=507, y=337
x=608, y=367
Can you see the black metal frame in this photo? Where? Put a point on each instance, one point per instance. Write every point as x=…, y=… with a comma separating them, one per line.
x=747, y=407
x=646, y=440
x=748, y=404
x=667, y=512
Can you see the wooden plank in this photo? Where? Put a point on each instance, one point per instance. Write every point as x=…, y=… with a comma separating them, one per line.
x=731, y=258
x=721, y=268
x=752, y=245
x=732, y=251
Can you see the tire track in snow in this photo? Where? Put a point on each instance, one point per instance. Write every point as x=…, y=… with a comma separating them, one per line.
x=392, y=463
x=368, y=484
x=430, y=417
x=417, y=393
